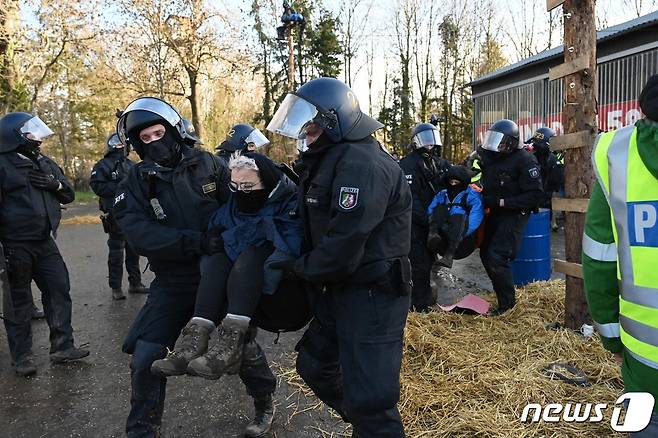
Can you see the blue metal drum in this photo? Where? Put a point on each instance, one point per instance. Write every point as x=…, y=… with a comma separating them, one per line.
x=533, y=261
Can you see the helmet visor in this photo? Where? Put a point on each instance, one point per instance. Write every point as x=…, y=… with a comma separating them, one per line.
x=292, y=116
x=114, y=142
x=150, y=104
x=35, y=129
x=257, y=138
x=495, y=141
x=425, y=139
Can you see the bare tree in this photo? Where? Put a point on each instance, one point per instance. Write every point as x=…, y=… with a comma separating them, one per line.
x=424, y=44
x=354, y=26
x=640, y=7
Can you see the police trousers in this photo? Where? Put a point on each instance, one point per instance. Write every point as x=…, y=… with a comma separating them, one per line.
x=117, y=245
x=502, y=240
x=39, y=261
x=350, y=356
x=169, y=307
x=422, y=259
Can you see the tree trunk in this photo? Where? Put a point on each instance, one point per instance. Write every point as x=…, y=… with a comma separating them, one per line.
x=194, y=101
x=579, y=114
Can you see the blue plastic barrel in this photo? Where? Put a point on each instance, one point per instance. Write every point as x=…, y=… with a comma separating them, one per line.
x=533, y=261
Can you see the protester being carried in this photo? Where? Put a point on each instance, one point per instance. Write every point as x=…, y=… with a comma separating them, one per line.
x=256, y=227
x=455, y=214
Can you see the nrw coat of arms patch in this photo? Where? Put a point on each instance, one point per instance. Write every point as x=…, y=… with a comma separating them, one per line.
x=348, y=198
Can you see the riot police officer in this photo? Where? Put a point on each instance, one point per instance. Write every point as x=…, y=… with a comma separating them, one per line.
x=512, y=188
x=356, y=210
x=32, y=188
x=241, y=137
x=424, y=169
x=163, y=207
x=551, y=172
x=105, y=177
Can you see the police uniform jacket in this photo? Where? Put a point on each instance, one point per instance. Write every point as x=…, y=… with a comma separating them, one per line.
x=26, y=212
x=106, y=176
x=424, y=177
x=356, y=207
x=188, y=194
x=551, y=175
x=514, y=177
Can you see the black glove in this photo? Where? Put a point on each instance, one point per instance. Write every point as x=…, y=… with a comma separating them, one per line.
x=212, y=241
x=284, y=265
x=42, y=181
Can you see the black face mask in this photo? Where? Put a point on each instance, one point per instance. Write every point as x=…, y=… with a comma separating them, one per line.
x=166, y=151
x=541, y=149
x=455, y=190
x=251, y=202
x=31, y=149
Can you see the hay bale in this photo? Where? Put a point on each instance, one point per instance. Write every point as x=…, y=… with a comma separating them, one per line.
x=471, y=376
x=465, y=376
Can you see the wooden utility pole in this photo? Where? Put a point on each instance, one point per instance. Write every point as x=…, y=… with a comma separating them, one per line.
x=291, y=60
x=579, y=121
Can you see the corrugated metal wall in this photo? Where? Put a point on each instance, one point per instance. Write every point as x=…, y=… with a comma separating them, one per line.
x=540, y=103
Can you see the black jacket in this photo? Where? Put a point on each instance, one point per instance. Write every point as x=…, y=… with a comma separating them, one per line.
x=551, y=174
x=106, y=176
x=514, y=177
x=28, y=213
x=424, y=174
x=356, y=208
x=188, y=194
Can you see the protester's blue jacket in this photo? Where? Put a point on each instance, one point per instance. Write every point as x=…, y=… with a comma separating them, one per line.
x=475, y=207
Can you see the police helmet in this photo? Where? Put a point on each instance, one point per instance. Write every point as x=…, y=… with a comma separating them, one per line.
x=148, y=111
x=542, y=135
x=328, y=103
x=21, y=128
x=242, y=136
x=114, y=142
x=502, y=136
x=426, y=135
x=193, y=138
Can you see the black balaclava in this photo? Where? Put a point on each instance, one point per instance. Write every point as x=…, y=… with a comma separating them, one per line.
x=542, y=149
x=166, y=151
x=30, y=148
x=269, y=174
x=459, y=173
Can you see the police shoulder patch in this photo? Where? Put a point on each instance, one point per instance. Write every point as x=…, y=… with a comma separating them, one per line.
x=534, y=172
x=348, y=198
x=210, y=187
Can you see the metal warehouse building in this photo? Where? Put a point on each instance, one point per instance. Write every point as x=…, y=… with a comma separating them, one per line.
x=627, y=54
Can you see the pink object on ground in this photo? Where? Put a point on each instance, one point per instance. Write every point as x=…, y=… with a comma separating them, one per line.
x=471, y=302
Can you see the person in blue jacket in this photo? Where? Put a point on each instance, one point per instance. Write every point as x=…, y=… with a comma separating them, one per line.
x=455, y=214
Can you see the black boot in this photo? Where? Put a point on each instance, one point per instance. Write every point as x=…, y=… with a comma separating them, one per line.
x=261, y=425
x=69, y=355
x=192, y=343
x=117, y=294
x=25, y=367
x=137, y=288
x=225, y=357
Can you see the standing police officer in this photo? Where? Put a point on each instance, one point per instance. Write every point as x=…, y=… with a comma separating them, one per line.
x=357, y=216
x=241, y=137
x=105, y=177
x=163, y=207
x=32, y=187
x=424, y=169
x=551, y=175
x=512, y=188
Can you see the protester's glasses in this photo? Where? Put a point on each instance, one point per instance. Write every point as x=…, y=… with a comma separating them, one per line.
x=244, y=187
